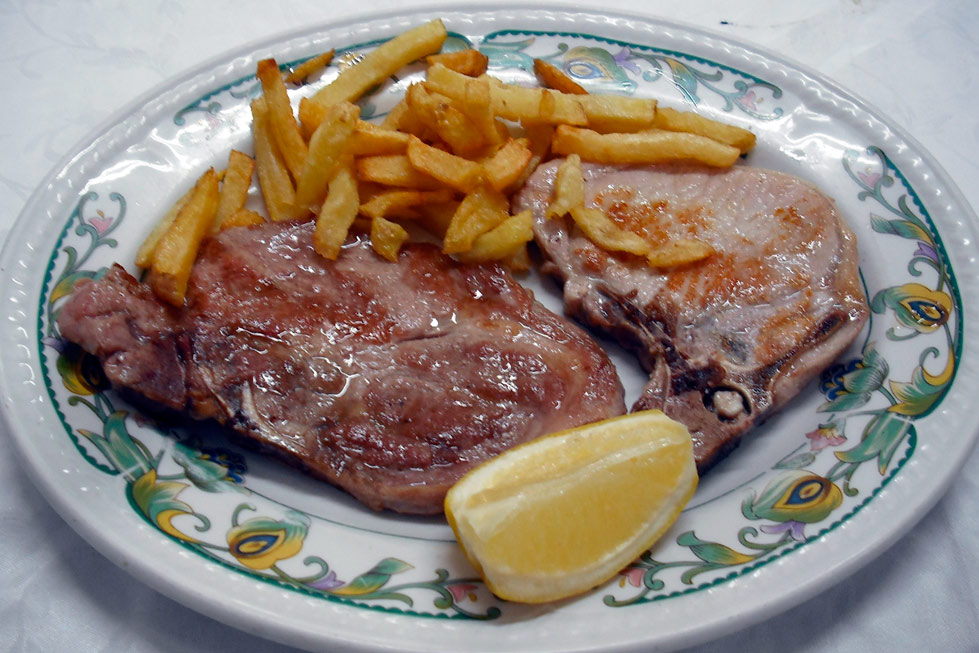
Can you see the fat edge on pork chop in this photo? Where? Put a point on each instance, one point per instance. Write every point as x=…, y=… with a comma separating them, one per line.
x=729, y=339
x=389, y=380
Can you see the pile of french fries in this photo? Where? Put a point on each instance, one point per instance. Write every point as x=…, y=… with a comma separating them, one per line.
x=446, y=158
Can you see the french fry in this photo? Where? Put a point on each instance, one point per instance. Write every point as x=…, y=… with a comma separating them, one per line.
x=471, y=63
x=337, y=213
x=451, y=125
x=477, y=104
x=539, y=138
x=602, y=231
x=687, y=121
x=368, y=139
x=569, y=188
x=144, y=256
x=310, y=67
x=387, y=238
x=453, y=171
x=325, y=150
x=679, y=252
x=283, y=122
x=394, y=170
x=554, y=77
x=529, y=105
x=376, y=65
x=508, y=164
x=618, y=113
x=645, y=147
x=516, y=103
x=177, y=249
x=403, y=119
x=481, y=210
x=273, y=177
x=448, y=82
x=392, y=120
x=393, y=203
x=242, y=218
x=502, y=241
x=234, y=187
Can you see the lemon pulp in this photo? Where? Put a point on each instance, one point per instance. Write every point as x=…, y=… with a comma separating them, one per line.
x=561, y=514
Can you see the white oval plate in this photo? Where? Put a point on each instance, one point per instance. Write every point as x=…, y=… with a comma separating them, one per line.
x=851, y=464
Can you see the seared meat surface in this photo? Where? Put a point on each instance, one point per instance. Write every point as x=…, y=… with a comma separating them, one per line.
x=389, y=380
x=731, y=338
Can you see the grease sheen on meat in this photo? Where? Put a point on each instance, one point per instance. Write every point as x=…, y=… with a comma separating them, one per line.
x=729, y=339
x=389, y=380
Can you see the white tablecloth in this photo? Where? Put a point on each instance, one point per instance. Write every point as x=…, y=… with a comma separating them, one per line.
x=66, y=66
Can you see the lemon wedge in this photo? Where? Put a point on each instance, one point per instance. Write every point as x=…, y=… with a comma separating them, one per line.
x=561, y=514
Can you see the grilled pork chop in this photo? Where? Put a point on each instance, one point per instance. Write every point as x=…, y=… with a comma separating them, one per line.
x=729, y=339
x=389, y=380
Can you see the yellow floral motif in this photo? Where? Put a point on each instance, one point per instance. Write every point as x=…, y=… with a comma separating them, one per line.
x=915, y=306
x=80, y=372
x=262, y=542
x=943, y=377
x=158, y=501
x=796, y=495
x=929, y=308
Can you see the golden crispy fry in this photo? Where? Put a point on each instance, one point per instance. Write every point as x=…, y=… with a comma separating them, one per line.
x=234, y=187
x=502, y=241
x=387, y=238
x=448, y=82
x=508, y=164
x=337, y=213
x=309, y=67
x=651, y=146
x=403, y=119
x=370, y=140
x=242, y=218
x=435, y=217
x=471, y=63
x=326, y=148
x=477, y=104
x=679, y=252
x=393, y=118
x=454, y=171
x=569, y=188
x=606, y=234
x=481, y=210
x=376, y=65
x=539, y=138
x=554, y=77
x=618, y=113
x=273, y=176
x=144, y=257
x=687, y=121
x=284, y=126
x=530, y=105
x=393, y=203
x=516, y=103
x=177, y=249
x=310, y=116
x=436, y=112
x=394, y=170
